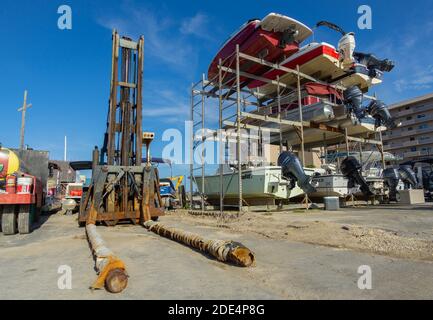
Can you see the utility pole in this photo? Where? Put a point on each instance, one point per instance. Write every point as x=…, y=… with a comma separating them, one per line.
x=66, y=146
x=23, y=119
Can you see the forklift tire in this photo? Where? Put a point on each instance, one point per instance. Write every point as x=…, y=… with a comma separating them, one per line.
x=9, y=220
x=24, y=223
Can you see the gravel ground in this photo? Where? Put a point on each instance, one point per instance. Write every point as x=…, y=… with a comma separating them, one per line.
x=299, y=255
x=286, y=226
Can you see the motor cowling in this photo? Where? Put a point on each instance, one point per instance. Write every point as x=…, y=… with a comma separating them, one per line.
x=427, y=180
x=391, y=177
x=292, y=169
x=346, y=47
x=408, y=176
x=353, y=101
x=288, y=37
x=372, y=62
x=379, y=111
x=350, y=167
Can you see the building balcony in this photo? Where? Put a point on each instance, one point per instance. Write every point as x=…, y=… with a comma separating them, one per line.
x=405, y=123
x=406, y=134
x=412, y=110
x=405, y=144
x=417, y=154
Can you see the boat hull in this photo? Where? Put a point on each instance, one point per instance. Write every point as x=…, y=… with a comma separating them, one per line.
x=334, y=185
x=260, y=39
x=262, y=185
x=321, y=61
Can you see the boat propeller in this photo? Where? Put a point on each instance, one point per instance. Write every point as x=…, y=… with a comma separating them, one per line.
x=292, y=169
x=350, y=167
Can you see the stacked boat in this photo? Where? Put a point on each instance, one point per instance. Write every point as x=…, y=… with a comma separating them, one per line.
x=334, y=81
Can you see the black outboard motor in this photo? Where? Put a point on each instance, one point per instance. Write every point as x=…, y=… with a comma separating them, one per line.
x=353, y=101
x=350, y=167
x=392, y=178
x=380, y=112
x=373, y=63
x=292, y=169
x=408, y=176
x=427, y=180
x=288, y=36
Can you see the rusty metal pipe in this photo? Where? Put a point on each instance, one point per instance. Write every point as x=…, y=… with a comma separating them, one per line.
x=111, y=270
x=225, y=251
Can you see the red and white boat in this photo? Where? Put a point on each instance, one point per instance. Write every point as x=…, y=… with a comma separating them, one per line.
x=321, y=61
x=274, y=38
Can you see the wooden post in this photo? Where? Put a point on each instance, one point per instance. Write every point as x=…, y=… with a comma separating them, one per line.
x=23, y=110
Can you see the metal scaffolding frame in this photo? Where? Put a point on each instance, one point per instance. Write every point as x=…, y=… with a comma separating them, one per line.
x=247, y=112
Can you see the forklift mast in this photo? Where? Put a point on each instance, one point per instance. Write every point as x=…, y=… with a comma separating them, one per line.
x=124, y=128
x=122, y=188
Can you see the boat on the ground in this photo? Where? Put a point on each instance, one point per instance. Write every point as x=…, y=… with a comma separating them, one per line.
x=261, y=185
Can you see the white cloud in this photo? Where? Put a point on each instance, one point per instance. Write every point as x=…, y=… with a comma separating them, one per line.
x=409, y=48
x=421, y=80
x=163, y=40
x=196, y=25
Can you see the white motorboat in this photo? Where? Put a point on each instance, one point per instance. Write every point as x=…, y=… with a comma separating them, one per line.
x=260, y=186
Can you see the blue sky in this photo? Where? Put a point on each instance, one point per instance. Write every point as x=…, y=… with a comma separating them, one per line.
x=67, y=71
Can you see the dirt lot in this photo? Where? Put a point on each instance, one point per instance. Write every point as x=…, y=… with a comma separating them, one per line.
x=300, y=255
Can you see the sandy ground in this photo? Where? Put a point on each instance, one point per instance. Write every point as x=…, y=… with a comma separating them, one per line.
x=300, y=255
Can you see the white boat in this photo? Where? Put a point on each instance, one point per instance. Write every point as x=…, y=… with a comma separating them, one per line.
x=260, y=186
x=331, y=185
x=323, y=61
x=315, y=136
x=336, y=185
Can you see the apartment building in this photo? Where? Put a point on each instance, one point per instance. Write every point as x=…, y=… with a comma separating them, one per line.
x=414, y=138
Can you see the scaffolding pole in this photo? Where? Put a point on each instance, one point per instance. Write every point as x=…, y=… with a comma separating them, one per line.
x=191, y=155
x=221, y=144
x=238, y=120
x=301, y=120
x=203, y=140
x=224, y=88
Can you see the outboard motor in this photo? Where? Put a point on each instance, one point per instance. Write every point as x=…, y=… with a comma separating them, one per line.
x=350, y=167
x=392, y=178
x=408, y=176
x=427, y=180
x=346, y=47
x=292, y=169
x=373, y=63
x=380, y=112
x=288, y=36
x=353, y=101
